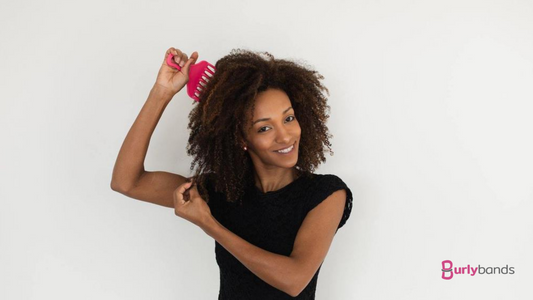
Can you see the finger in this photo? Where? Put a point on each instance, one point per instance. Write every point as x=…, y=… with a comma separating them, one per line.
x=178, y=56
x=193, y=191
x=185, y=186
x=190, y=185
x=170, y=50
x=194, y=55
x=183, y=60
x=191, y=61
x=180, y=192
x=178, y=200
x=193, y=183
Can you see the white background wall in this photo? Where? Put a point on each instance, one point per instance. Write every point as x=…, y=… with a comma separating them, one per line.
x=430, y=109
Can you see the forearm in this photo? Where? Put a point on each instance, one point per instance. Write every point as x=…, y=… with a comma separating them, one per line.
x=279, y=271
x=130, y=161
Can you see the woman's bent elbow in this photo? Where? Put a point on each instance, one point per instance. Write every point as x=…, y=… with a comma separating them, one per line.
x=118, y=187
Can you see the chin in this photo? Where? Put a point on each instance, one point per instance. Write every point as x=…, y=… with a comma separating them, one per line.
x=287, y=165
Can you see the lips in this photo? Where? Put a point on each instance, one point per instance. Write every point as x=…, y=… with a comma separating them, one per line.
x=286, y=149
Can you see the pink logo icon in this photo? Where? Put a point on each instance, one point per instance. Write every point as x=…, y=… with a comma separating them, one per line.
x=447, y=273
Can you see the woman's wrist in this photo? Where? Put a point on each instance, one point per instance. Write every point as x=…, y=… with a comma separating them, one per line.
x=162, y=92
x=211, y=226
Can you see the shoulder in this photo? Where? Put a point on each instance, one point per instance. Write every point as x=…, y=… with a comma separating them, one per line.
x=327, y=181
x=323, y=186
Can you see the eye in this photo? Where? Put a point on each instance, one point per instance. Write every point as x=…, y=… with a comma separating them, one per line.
x=263, y=129
x=289, y=117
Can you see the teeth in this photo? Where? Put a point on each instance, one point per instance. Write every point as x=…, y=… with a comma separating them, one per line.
x=286, y=150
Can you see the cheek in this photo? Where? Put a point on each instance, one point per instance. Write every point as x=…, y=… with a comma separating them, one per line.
x=262, y=142
x=297, y=130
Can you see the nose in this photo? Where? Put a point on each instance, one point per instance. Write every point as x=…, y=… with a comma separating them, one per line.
x=283, y=136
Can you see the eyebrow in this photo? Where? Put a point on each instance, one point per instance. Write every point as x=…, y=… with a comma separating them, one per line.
x=266, y=119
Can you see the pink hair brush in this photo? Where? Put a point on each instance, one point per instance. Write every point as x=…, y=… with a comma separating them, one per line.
x=199, y=75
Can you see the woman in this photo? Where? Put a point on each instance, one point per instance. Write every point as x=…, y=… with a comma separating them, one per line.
x=257, y=135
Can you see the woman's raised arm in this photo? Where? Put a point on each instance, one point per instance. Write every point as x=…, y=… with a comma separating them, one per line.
x=129, y=176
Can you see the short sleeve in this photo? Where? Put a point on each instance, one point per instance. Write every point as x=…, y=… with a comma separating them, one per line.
x=326, y=185
x=209, y=189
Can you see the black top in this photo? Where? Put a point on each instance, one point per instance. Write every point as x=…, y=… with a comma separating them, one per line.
x=269, y=221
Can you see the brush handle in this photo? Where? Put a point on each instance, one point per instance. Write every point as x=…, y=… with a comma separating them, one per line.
x=171, y=62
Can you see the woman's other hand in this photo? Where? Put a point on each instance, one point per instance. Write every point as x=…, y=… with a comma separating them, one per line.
x=170, y=78
x=189, y=205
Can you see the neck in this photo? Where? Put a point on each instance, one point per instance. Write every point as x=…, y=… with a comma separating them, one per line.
x=274, y=179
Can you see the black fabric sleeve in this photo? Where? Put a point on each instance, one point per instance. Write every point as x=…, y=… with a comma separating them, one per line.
x=209, y=189
x=324, y=187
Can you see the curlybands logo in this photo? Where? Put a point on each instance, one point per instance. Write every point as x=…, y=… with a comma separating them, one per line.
x=448, y=270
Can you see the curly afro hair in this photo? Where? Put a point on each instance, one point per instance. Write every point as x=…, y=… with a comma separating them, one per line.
x=218, y=121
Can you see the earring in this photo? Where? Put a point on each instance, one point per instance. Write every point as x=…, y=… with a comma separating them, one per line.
x=245, y=148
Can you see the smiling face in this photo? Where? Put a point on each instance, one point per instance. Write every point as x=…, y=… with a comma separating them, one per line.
x=274, y=128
